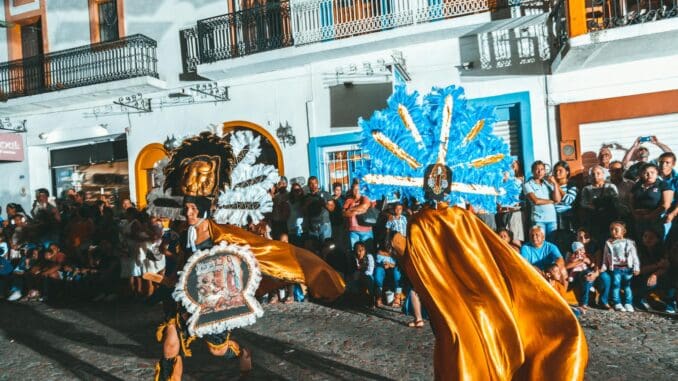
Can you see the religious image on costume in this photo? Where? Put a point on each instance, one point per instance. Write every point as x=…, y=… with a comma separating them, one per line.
x=217, y=287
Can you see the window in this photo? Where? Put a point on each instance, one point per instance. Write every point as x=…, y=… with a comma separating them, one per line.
x=108, y=21
x=339, y=165
x=348, y=102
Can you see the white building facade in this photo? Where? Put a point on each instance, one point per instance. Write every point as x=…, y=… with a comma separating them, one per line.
x=96, y=87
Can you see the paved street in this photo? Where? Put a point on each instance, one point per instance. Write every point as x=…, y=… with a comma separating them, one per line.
x=302, y=341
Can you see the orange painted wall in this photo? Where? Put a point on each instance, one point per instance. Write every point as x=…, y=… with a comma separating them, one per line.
x=572, y=115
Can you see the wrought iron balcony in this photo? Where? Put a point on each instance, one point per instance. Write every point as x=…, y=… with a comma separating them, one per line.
x=605, y=14
x=321, y=20
x=129, y=57
x=259, y=29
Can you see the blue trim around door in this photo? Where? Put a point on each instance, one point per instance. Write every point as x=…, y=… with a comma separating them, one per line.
x=518, y=107
x=516, y=104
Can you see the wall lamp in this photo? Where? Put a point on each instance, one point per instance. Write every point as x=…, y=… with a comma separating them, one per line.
x=285, y=134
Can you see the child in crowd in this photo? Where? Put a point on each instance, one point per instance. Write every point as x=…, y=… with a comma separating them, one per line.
x=507, y=236
x=397, y=222
x=554, y=277
x=362, y=280
x=620, y=260
x=385, y=263
x=581, y=272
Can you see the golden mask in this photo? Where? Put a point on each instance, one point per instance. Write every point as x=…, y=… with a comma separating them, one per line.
x=200, y=176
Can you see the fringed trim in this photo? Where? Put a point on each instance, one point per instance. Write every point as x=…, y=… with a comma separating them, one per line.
x=172, y=375
x=161, y=328
x=229, y=344
x=186, y=344
x=180, y=294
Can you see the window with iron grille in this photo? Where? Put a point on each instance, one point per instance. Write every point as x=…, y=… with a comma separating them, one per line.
x=108, y=20
x=339, y=165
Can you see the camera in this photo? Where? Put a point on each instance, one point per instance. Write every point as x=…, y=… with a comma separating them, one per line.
x=644, y=139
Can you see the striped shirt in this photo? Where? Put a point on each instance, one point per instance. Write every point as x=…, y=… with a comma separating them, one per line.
x=398, y=224
x=569, y=195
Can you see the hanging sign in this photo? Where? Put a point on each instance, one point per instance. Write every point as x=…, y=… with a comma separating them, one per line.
x=11, y=147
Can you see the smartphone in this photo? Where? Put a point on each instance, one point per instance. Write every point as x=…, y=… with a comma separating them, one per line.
x=644, y=139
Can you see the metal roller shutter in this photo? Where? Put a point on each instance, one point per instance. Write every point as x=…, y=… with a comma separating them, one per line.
x=619, y=135
x=509, y=131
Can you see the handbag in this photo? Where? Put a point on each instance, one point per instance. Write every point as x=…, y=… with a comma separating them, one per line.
x=369, y=218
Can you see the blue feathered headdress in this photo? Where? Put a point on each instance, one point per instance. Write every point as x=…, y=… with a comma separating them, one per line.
x=403, y=139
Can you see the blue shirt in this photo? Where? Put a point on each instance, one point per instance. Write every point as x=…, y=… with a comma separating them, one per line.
x=541, y=213
x=672, y=182
x=542, y=257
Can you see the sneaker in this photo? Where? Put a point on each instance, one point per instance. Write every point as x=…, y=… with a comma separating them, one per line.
x=644, y=304
x=619, y=307
x=670, y=308
x=628, y=308
x=14, y=296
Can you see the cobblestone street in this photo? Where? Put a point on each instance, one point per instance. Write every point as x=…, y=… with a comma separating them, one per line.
x=302, y=341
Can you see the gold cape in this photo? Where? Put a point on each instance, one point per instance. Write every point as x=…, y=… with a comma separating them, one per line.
x=284, y=262
x=494, y=317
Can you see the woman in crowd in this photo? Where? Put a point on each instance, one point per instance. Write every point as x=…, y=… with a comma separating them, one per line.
x=540, y=192
x=604, y=160
x=598, y=203
x=652, y=197
x=568, y=194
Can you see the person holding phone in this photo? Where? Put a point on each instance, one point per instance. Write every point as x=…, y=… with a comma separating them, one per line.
x=641, y=155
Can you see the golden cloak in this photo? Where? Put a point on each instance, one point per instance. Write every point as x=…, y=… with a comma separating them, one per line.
x=284, y=262
x=494, y=317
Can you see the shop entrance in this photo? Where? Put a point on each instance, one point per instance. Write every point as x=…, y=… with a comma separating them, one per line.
x=98, y=169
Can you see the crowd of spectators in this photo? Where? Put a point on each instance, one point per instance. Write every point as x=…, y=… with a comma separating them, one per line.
x=607, y=237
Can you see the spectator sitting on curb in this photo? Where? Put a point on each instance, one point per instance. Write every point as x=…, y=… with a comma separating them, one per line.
x=542, y=254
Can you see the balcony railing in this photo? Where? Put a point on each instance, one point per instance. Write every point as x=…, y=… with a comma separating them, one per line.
x=262, y=28
x=605, y=14
x=321, y=20
x=299, y=22
x=129, y=57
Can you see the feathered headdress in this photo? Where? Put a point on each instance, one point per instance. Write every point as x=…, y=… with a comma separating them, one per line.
x=442, y=148
x=248, y=196
x=214, y=167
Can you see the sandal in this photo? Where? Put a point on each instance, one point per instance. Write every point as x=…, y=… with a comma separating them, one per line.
x=397, y=301
x=379, y=303
x=416, y=324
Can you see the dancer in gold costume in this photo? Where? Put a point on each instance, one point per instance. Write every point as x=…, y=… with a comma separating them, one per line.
x=493, y=316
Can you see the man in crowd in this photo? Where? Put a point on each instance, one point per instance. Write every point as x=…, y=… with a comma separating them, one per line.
x=316, y=215
x=667, y=162
x=542, y=254
x=641, y=155
x=281, y=209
